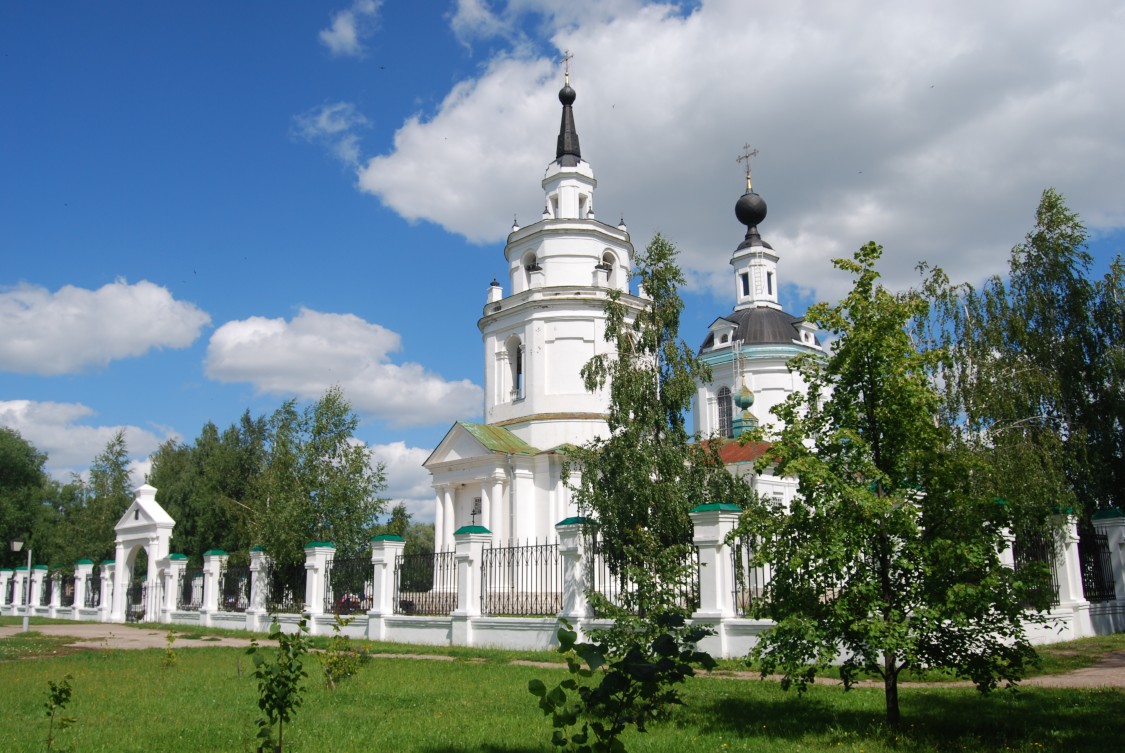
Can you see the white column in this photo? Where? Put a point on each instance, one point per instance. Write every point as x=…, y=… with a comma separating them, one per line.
x=1007, y=554
x=470, y=549
x=385, y=550
x=1067, y=567
x=153, y=606
x=105, y=603
x=439, y=520
x=174, y=569
x=317, y=554
x=121, y=573
x=485, y=505
x=450, y=518
x=5, y=578
x=499, y=505
x=214, y=560
x=523, y=528
x=258, y=610
x=83, y=575
x=56, y=593
x=38, y=582
x=572, y=549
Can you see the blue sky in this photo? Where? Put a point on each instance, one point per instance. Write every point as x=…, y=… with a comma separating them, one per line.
x=207, y=207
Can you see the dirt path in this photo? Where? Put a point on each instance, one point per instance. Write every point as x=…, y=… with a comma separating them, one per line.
x=1108, y=673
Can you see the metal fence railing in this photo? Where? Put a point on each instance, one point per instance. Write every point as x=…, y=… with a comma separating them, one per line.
x=66, y=595
x=189, y=593
x=615, y=587
x=234, y=588
x=1096, y=566
x=349, y=586
x=135, y=599
x=1035, y=561
x=286, y=591
x=425, y=583
x=521, y=580
x=93, y=596
x=749, y=580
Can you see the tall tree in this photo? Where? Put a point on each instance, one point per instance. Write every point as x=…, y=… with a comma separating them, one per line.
x=1034, y=368
x=640, y=482
x=108, y=493
x=23, y=487
x=888, y=556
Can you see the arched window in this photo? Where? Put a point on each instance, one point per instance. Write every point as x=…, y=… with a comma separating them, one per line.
x=726, y=413
x=515, y=363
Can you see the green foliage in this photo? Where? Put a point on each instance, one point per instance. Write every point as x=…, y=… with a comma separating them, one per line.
x=169, y=659
x=341, y=659
x=279, y=683
x=58, y=696
x=641, y=481
x=631, y=691
x=23, y=485
x=1035, y=367
x=889, y=555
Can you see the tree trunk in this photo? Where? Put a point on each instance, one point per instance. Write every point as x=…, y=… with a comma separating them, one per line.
x=890, y=688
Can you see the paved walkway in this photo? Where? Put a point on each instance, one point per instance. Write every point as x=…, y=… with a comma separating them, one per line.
x=1108, y=673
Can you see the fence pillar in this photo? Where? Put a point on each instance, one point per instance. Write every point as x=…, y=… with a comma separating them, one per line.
x=105, y=603
x=572, y=550
x=55, y=602
x=1068, y=569
x=257, y=613
x=173, y=583
x=470, y=541
x=83, y=574
x=712, y=523
x=1112, y=523
x=317, y=555
x=5, y=578
x=214, y=560
x=1008, y=553
x=385, y=550
x=38, y=583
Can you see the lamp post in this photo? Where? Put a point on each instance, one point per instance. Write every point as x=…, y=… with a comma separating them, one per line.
x=16, y=546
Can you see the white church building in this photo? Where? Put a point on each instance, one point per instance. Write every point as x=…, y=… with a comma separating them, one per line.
x=505, y=474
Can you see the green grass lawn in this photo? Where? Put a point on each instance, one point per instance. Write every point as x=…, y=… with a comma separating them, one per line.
x=128, y=701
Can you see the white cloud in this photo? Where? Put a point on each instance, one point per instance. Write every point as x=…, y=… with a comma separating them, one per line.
x=333, y=125
x=407, y=481
x=62, y=431
x=931, y=127
x=344, y=37
x=314, y=351
x=75, y=329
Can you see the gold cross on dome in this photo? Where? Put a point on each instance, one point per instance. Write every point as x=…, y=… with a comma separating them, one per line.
x=747, y=153
x=567, y=56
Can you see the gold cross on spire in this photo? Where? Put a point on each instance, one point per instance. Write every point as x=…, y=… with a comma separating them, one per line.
x=567, y=56
x=747, y=153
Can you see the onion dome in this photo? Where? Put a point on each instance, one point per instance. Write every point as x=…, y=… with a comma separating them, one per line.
x=745, y=398
x=750, y=209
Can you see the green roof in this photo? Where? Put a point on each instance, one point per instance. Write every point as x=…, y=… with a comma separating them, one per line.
x=214, y=553
x=387, y=537
x=1108, y=514
x=575, y=521
x=498, y=439
x=327, y=544
x=471, y=529
x=722, y=506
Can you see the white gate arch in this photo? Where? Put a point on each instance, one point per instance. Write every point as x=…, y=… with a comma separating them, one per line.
x=145, y=525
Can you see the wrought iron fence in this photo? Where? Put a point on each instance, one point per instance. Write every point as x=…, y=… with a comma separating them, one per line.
x=234, y=588
x=286, y=594
x=189, y=592
x=66, y=597
x=93, y=596
x=135, y=599
x=10, y=596
x=1035, y=562
x=749, y=580
x=614, y=587
x=521, y=580
x=350, y=587
x=48, y=592
x=1096, y=566
x=425, y=583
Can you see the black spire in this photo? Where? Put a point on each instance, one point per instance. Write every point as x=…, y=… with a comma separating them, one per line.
x=568, y=153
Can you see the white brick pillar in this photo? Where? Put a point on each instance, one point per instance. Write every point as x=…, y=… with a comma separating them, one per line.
x=317, y=554
x=121, y=576
x=6, y=576
x=83, y=575
x=1067, y=567
x=470, y=542
x=105, y=603
x=214, y=560
x=1007, y=553
x=713, y=522
x=20, y=591
x=1112, y=524
x=39, y=577
x=572, y=550
x=385, y=550
x=173, y=584
x=56, y=593
x=257, y=614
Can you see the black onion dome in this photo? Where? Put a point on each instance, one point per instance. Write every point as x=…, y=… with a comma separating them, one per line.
x=567, y=95
x=750, y=209
x=760, y=326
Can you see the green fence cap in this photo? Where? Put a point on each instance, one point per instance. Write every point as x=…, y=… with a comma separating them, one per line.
x=722, y=506
x=387, y=537
x=327, y=544
x=109, y=562
x=1108, y=514
x=177, y=556
x=574, y=521
x=257, y=549
x=39, y=567
x=471, y=529
x=84, y=562
x=215, y=553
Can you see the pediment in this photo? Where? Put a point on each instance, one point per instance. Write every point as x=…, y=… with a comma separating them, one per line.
x=465, y=441
x=145, y=511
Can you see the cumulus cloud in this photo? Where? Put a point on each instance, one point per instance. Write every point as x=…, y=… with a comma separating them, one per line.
x=74, y=329
x=314, y=351
x=344, y=36
x=333, y=125
x=407, y=481
x=64, y=432
x=931, y=127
